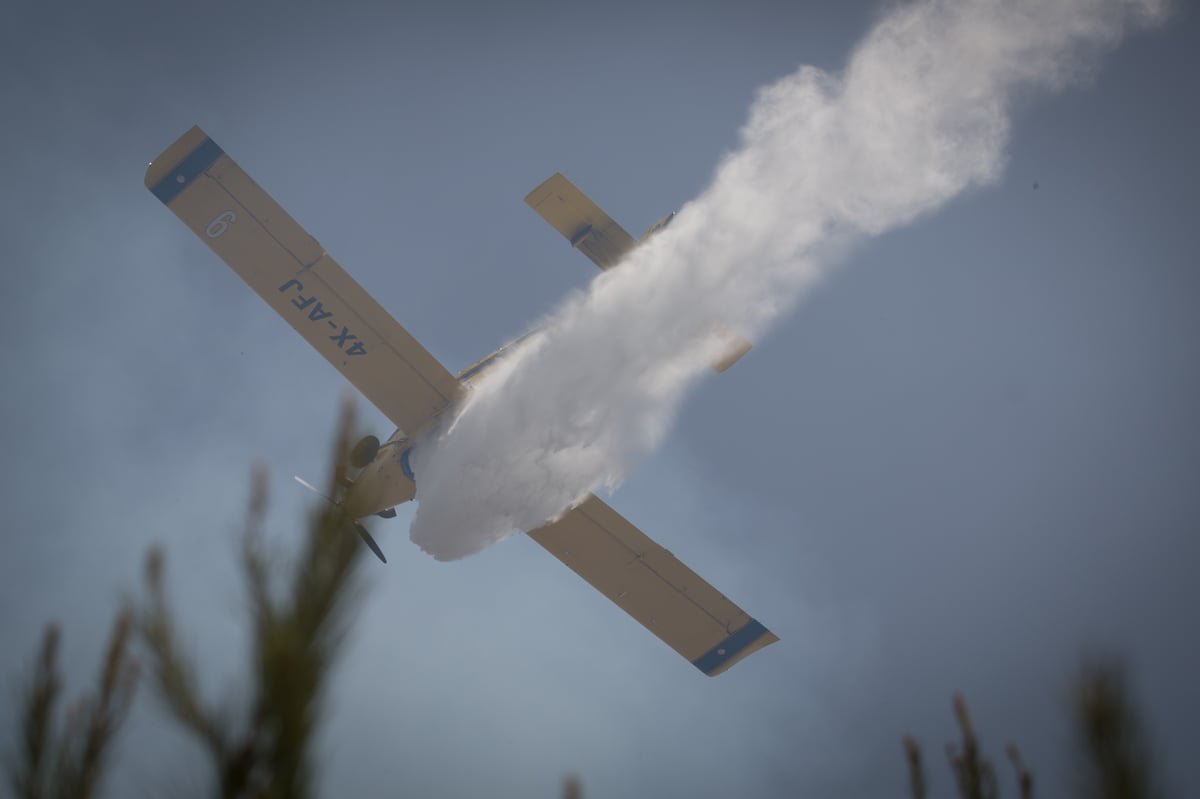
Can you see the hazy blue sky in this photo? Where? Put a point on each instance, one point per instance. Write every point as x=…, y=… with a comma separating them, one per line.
x=970, y=457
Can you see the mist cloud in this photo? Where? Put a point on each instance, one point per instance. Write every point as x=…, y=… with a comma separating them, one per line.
x=921, y=113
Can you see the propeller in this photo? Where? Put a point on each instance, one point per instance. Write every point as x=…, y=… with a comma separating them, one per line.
x=312, y=488
x=370, y=542
x=362, y=531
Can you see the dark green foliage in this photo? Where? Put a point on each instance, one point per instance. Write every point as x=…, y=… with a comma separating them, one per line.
x=1116, y=758
x=916, y=772
x=572, y=788
x=1024, y=778
x=296, y=634
x=974, y=775
x=71, y=763
x=973, y=772
x=264, y=750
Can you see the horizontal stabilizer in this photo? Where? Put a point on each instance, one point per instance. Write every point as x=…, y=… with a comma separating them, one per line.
x=594, y=233
x=580, y=221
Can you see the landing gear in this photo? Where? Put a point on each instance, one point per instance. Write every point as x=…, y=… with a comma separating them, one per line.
x=364, y=452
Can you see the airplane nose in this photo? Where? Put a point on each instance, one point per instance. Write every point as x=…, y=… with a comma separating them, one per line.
x=364, y=452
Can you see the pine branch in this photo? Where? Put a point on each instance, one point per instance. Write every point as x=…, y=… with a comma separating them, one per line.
x=27, y=771
x=572, y=788
x=916, y=772
x=1117, y=762
x=71, y=765
x=296, y=637
x=973, y=773
x=1024, y=778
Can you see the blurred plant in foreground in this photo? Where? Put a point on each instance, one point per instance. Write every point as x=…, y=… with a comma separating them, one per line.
x=265, y=748
x=1114, y=757
x=973, y=773
x=69, y=763
x=296, y=636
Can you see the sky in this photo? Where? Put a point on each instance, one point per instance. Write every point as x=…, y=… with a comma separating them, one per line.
x=965, y=461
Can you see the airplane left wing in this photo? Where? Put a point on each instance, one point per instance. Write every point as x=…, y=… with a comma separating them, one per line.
x=653, y=586
x=291, y=271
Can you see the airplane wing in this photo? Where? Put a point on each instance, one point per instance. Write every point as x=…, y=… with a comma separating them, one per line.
x=653, y=586
x=291, y=271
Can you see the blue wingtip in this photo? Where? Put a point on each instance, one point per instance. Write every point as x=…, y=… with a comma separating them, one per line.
x=730, y=648
x=190, y=168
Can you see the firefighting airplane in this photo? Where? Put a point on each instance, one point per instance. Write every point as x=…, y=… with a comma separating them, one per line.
x=286, y=266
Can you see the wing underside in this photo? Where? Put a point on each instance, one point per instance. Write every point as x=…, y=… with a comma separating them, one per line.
x=653, y=586
x=290, y=270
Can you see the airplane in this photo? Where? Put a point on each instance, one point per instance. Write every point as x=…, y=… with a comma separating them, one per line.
x=289, y=269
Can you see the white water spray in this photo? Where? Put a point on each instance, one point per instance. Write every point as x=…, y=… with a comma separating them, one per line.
x=920, y=113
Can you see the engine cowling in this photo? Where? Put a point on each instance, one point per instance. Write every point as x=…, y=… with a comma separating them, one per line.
x=364, y=451
x=385, y=482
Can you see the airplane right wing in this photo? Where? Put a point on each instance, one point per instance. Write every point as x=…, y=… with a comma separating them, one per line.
x=291, y=271
x=653, y=586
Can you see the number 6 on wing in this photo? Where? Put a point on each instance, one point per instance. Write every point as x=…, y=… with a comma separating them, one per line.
x=216, y=228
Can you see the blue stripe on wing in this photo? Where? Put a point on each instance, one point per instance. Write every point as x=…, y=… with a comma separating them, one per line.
x=731, y=647
x=190, y=168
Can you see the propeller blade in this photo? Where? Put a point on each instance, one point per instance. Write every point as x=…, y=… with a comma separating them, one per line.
x=362, y=531
x=312, y=488
x=370, y=542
